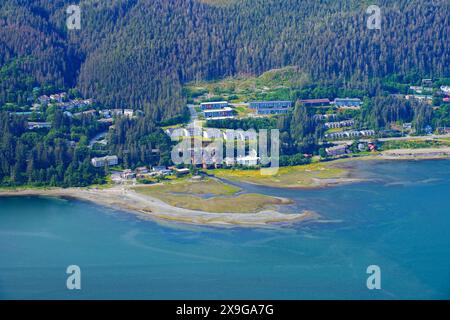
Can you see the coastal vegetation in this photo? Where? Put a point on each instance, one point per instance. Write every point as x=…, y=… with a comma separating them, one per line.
x=305, y=176
x=210, y=196
x=233, y=50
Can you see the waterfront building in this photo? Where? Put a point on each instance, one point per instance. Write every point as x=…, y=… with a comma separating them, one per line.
x=337, y=150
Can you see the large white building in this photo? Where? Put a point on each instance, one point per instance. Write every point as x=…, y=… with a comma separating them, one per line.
x=101, y=162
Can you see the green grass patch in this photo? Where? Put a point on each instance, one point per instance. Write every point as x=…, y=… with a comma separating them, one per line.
x=190, y=194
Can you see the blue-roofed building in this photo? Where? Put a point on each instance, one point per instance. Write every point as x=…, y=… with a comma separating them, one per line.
x=213, y=105
x=219, y=113
x=347, y=102
x=270, y=107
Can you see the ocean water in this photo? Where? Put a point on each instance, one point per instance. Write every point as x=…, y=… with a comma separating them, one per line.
x=400, y=221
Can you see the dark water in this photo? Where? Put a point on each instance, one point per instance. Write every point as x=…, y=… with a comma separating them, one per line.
x=400, y=222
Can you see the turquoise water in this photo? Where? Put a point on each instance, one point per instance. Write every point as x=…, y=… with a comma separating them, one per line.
x=400, y=221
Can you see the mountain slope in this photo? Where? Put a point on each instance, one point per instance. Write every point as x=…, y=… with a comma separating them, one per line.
x=137, y=53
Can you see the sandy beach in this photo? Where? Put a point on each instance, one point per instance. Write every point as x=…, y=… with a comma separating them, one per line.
x=125, y=198
x=120, y=197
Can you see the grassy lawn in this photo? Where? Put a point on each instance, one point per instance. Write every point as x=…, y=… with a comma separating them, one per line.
x=287, y=177
x=275, y=84
x=243, y=111
x=188, y=194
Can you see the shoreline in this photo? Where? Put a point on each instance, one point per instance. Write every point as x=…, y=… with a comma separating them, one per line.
x=119, y=197
x=349, y=176
x=124, y=198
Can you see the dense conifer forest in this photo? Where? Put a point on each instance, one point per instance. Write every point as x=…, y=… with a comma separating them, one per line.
x=138, y=54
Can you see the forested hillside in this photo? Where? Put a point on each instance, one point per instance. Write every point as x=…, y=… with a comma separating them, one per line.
x=137, y=53
x=140, y=54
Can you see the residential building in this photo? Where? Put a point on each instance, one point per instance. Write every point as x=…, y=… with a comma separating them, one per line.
x=158, y=168
x=219, y=113
x=270, y=107
x=122, y=112
x=44, y=99
x=58, y=97
x=39, y=125
x=316, y=102
x=322, y=117
x=445, y=89
x=339, y=124
x=182, y=171
x=128, y=174
x=350, y=134
x=101, y=162
x=347, y=103
x=142, y=170
x=250, y=160
x=427, y=82
x=213, y=105
x=337, y=150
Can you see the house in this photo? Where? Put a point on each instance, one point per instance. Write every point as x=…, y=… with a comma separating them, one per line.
x=116, y=177
x=367, y=133
x=445, y=89
x=427, y=82
x=160, y=171
x=250, y=160
x=229, y=161
x=101, y=162
x=142, y=170
x=213, y=105
x=337, y=150
x=128, y=174
x=350, y=134
x=407, y=126
x=270, y=107
x=106, y=121
x=316, y=102
x=121, y=112
x=58, y=97
x=362, y=147
x=44, y=99
x=351, y=103
x=420, y=97
x=158, y=168
x=321, y=117
x=443, y=130
x=219, y=113
x=182, y=171
x=177, y=132
x=372, y=146
x=35, y=107
x=339, y=124
x=39, y=125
